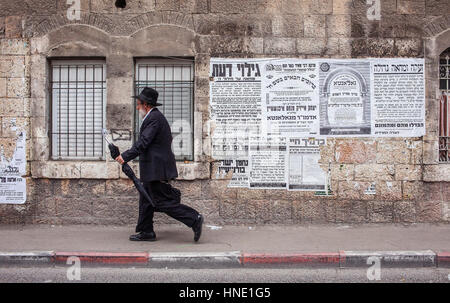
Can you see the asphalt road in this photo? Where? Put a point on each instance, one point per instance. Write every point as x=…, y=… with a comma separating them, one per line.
x=245, y=275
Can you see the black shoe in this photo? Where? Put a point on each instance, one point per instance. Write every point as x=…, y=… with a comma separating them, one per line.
x=197, y=228
x=143, y=236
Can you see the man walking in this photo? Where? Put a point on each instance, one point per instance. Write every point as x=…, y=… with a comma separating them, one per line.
x=157, y=166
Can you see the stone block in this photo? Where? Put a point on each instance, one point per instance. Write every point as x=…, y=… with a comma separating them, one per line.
x=18, y=87
x=356, y=151
x=100, y=170
x=13, y=27
x=339, y=25
x=315, y=26
x=389, y=190
x=342, y=172
x=74, y=207
x=13, y=107
x=371, y=172
x=409, y=7
x=413, y=190
x=106, y=6
x=437, y=172
x=351, y=211
x=55, y=169
x=429, y=211
x=373, y=47
x=404, y=212
x=287, y=26
x=409, y=47
x=407, y=172
x=2, y=87
x=380, y=211
x=232, y=6
x=280, y=46
x=341, y=7
x=217, y=189
x=14, y=47
x=393, y=152
x=314, y=211
x=320, y=7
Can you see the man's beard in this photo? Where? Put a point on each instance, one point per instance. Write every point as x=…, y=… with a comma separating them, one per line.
x=142, y=113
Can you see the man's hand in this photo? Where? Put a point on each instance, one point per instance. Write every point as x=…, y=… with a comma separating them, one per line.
x=120, y=160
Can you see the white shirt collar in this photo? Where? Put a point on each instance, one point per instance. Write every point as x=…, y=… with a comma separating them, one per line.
x=147, y=114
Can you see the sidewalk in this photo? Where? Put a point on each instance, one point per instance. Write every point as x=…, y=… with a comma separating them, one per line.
x=336, y=245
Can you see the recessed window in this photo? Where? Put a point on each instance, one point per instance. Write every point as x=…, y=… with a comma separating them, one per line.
x=78, y=90
x=174, y=81
x=444, y=110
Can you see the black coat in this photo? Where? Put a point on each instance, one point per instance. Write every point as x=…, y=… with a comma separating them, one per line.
x=154, y=148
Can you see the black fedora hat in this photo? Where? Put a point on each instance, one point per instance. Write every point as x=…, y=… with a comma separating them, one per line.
x=148, y=95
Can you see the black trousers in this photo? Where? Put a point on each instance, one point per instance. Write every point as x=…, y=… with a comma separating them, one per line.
x=166, y=201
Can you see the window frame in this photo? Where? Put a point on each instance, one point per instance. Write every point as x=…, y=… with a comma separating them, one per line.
x=76, y=60
x=162, y=60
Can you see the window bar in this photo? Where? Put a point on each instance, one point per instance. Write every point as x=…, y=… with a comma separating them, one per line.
x=93, y=109
x=85, y=108
x=101, y=85
x=76, y=113
x=181, y=116
x=59, y=112
x=68, y=95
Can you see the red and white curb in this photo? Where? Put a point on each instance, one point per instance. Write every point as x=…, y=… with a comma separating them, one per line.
x=341, y=259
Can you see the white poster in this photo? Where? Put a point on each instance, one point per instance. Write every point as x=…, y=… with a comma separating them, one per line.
x=12, y=185
x=345, y=98
x=290, y=100
x=235, y=99
x=305, y=172
x=398, y=102
x=268, y=160
x=299, y=99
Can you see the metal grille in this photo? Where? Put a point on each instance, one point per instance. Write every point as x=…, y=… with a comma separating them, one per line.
x=174, y=81
x=78, y=91
x=444, y=103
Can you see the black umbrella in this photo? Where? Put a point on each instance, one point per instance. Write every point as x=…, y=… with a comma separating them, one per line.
x=114, y=150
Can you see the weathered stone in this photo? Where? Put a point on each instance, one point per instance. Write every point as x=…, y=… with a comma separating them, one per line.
x=371, y=172
x=380, y=211
x=339, y=26
x=342, y=172
x=435, y=7
x=393, y=152
x=2, y=87
x=217, y=189
x=317, y=6
x=412, y=190
x=14, y=47
x=287, y=26
x=411, y=7
x=12, y=66
x=408, y=172
x=353, y=190
x=389, y=190
x=409, y=47
x=279, y=45
x=429, y=211
x=18, y=87
x=208, y=208
x=356, y=151
x=438, y=172
x=13, y=27
x=315, y=26
x=55, y=169
x=351, y=211
x=341, y=7
x=373, y=47
x=404, y=212
x=189, y=189
x=232, y=6
x=314, y=211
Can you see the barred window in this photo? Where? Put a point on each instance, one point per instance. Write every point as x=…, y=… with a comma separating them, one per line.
x=444, y=110
x=78, y=90
x=174, y=81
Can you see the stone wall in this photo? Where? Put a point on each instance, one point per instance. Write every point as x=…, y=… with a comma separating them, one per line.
x=411, y=186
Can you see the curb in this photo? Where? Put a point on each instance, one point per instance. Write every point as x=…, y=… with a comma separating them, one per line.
x=234, y=259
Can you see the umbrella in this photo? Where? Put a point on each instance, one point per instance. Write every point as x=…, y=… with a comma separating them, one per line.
x=114, y=150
